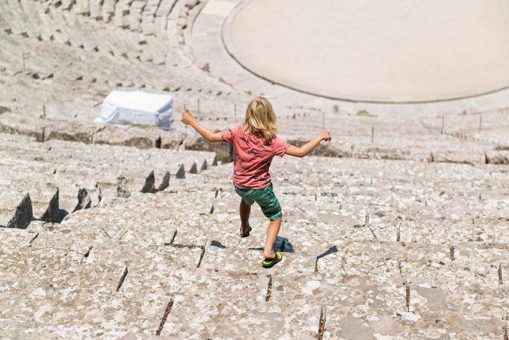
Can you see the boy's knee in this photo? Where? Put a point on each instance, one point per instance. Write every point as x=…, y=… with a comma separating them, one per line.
x=276, y=216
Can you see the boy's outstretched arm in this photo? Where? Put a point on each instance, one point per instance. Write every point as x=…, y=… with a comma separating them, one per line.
x=309, y=146
x=188, y=119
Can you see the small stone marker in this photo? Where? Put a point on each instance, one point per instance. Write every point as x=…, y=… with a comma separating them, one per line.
x=52, y=213
x=181, y=173
x=194, y=169
x=214, y=162
x=165, y=182
x=149, y=183
x=84, y=201
x=23, y=215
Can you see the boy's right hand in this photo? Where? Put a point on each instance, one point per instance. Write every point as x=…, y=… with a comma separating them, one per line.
x=325, y=135
x=187, y=117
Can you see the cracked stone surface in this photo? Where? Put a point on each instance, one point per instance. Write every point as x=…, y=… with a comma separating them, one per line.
x=400, y=187
x=60, y=280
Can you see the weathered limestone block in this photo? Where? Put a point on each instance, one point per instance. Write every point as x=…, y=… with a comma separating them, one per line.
x=377, y=152
x=84, y=200
x=465, y=157
x=165, y=182
x=23, y=214
x=497, y=157
x=172, y=140
x=52, y=213
x=223, y=150
x=148, y=187
x=13, y=123
x=181, y=173
x=137, y=136
x=70, y=131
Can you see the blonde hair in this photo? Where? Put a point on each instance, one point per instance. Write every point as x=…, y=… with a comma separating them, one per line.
x=260, y=118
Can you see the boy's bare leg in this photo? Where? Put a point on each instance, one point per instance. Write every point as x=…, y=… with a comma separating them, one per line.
x=272, y=232
x=245, y=211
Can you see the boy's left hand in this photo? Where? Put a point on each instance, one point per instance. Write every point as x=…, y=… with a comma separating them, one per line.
x=187, y=117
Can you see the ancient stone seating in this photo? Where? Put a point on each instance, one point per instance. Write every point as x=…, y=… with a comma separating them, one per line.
x=490, y=127
x=63, y=177
x=371, y=247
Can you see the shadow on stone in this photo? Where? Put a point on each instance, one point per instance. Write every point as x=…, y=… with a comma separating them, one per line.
x=282, y=245
x=217, y=244
x=329, y=251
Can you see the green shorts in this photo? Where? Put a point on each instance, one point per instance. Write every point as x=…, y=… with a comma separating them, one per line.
x=265, y=198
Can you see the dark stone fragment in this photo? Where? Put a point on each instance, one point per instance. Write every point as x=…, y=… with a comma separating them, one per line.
x=23, y=215
x=84, y=201
x=149, y=183
x=194, y=169
x=181, y=173
x=52, y=213
x=165, y=182
x=204, y=165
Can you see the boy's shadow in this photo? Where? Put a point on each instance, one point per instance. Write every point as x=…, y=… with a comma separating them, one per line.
x=282, y=245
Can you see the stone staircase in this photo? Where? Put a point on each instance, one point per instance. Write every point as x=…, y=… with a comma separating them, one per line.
x=371, y=248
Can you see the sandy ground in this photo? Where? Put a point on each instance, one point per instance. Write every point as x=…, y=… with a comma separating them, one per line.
x=381, y=50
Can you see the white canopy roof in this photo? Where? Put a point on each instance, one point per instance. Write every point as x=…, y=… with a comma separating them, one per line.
x=137, y=107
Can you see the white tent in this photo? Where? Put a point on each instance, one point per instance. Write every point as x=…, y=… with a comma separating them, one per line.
x=137, y=107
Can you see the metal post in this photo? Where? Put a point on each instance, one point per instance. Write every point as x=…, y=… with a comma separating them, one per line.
x=44, y=111
x=198, y=105
x=372, y=134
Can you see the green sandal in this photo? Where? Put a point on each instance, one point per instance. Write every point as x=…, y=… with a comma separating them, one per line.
x=269, y=263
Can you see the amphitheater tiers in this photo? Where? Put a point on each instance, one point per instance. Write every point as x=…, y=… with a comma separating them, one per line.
x=397, y=228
